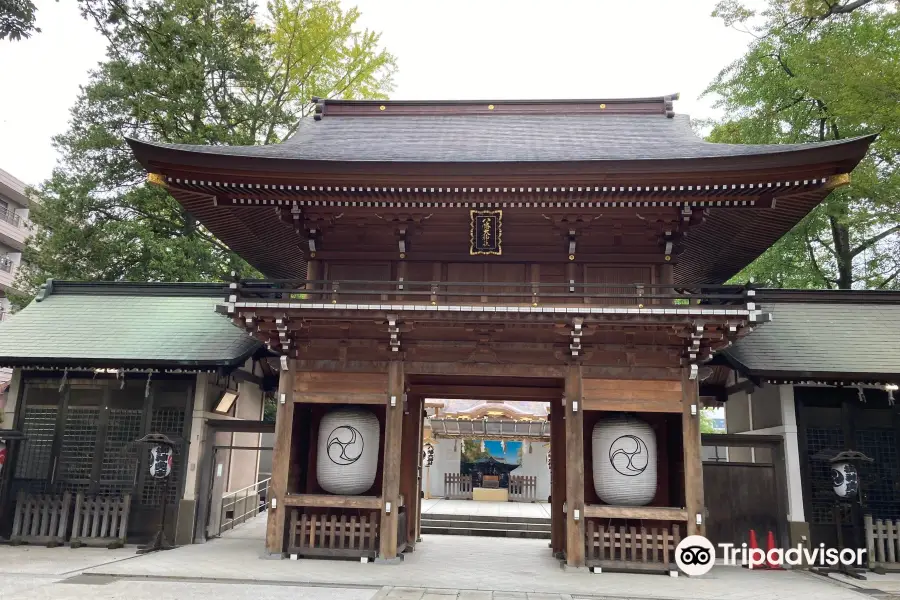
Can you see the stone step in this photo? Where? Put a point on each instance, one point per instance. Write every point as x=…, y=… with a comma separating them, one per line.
x=506, y=525
x=485, y=518
x=510, y=533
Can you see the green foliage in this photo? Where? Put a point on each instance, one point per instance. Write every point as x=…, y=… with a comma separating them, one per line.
x=17, y=19
x=471, y=451
x=706, y=422
x=184, y=71
x=820, y=71
x=270, y=408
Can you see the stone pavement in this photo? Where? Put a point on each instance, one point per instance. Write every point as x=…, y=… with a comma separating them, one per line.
x=441, y=568
x=447, y=565
x=539, y=510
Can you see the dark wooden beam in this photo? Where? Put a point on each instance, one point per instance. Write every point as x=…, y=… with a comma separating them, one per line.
x=650, y=513
x=557, y=477
x=329, y=501
x=693, y=460
x=574, y=411
x=533, y=394
x=393, y=439
x=281, y=462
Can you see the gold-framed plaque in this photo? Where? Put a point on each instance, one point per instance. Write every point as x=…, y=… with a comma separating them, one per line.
x=485, y=232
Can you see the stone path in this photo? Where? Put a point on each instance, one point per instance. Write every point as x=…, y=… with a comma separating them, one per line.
x=438, y=506
x=441, y=568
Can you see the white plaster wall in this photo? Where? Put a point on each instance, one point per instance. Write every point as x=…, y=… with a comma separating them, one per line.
x=446, y=460
x=769, y=411
x=535, y=463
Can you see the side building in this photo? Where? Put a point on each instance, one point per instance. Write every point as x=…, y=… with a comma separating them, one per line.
x=97, y=366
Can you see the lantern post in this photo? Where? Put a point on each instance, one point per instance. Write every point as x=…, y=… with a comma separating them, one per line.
x=162, y=454
x=846, y=483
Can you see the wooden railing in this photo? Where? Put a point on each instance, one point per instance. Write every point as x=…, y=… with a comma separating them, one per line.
x=480, y=292
x=333, y=535
x=100, y=520
x=629, y=548
x=457, y=486
x=882, y=543
x=523, y=488
x=41, y=518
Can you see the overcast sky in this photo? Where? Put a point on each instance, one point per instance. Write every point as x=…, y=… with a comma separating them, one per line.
x=460, y=49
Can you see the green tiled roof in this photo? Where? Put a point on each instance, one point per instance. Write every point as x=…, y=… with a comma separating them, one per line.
x=121, y=325
x=818, y=339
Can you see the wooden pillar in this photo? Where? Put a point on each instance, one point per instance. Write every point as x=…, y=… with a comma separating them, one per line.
x=557, y=477
x=393, y=439
x=574, y=458
x=420, y=491
x=411, y=460
x=281, y=461
x=693, y=460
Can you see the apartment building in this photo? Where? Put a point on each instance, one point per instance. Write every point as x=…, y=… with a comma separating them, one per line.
x=14, y=206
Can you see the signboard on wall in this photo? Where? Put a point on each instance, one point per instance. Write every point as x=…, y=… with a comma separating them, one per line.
x=485, y=232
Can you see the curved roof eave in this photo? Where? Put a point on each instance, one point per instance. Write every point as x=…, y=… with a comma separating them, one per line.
x=252, y=161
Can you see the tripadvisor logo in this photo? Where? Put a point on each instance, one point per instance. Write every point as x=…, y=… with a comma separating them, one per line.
x=696, y=555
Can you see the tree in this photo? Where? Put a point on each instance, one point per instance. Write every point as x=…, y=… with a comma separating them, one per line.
x=184, y=71
x=818, y=70
x=17, y=19
x=706, y=421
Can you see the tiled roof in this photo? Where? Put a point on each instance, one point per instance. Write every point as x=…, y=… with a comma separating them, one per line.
x=496, y=138
x=115, y=325
x=820, y=339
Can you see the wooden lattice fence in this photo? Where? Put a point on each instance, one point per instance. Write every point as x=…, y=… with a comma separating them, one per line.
x=631, y=548
x=332, y=535
x=523, y=488
x=457, y=486
x=41, y=518
x=100, y=521
x=882, y=543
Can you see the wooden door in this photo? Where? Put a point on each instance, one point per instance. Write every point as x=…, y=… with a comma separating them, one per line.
x=741, y=497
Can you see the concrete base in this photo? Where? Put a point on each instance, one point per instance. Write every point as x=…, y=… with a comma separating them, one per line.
x=271, y=555
x=571, y=569
x=389, y=561
x=184, y=522
x=490, y=495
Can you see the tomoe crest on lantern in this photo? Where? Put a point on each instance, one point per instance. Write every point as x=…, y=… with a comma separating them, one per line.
x=844, y=479
x=160, y=461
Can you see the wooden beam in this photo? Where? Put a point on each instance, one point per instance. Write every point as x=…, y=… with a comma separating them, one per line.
x=329, y=501
x=651, y=513
x=393, y=439
x=281, y=461
x=557, y=477
x=412, y=462
x=340, y=398
x=693, y=460
x=574, y=410
x=535, y=394
x=419, y=492
x=656, y=406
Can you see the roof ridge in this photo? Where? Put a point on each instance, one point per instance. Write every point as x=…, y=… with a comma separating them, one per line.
x=142, y=288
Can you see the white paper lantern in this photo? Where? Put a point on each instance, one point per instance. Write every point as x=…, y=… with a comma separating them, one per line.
x=844, y=479
x=625, y=465
x=347, y=451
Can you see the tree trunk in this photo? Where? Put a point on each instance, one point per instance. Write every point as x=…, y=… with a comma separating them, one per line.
x=840, y=233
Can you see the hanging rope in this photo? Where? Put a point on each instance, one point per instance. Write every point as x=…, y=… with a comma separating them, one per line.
x=147, y=387
x=63, y=381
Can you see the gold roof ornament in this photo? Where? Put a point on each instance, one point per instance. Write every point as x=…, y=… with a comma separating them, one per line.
x=156, y=179
x=836, y=181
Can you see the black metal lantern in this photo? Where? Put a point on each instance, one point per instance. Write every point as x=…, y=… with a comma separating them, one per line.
x=848, y=495
x=162, y=452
